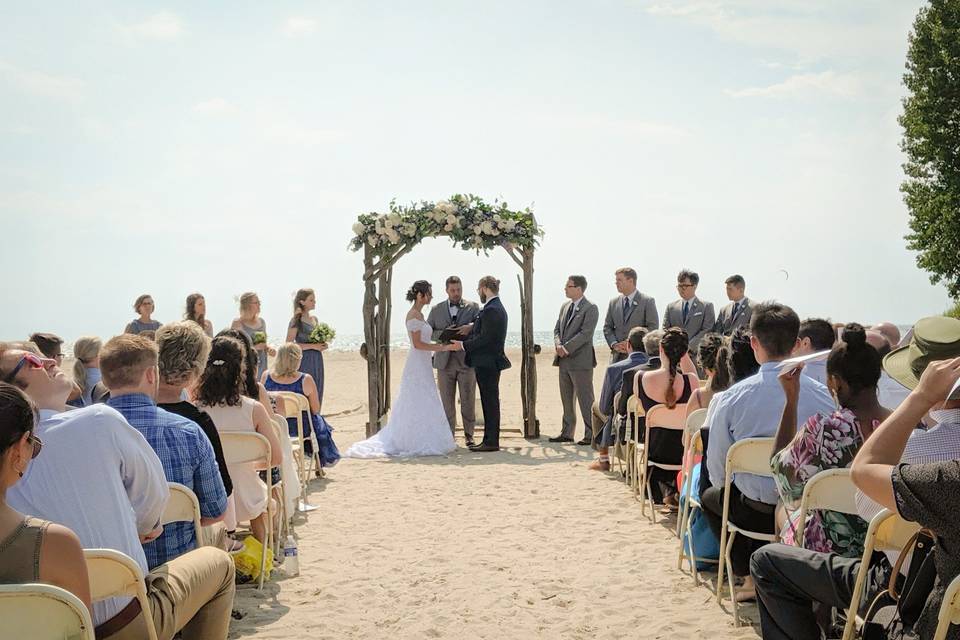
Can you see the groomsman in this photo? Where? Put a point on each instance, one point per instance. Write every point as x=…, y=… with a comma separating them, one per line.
x=736, y=314
x=451, y=366
x=573, y=339
x=689, y=312
x=628, y=310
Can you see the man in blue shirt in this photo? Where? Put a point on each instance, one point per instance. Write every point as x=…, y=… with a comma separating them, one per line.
x=129, y=367
x=752, y=408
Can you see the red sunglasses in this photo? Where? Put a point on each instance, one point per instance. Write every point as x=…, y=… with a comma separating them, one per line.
x=35, y=362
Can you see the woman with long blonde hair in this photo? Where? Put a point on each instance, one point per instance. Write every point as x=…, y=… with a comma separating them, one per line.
x=298, y=331
x=252, y=324
x=86, y=367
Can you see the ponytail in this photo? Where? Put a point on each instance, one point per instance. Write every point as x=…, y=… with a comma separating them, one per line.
x=674, y=344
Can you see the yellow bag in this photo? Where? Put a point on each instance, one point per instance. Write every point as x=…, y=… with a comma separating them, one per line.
x=247, y=561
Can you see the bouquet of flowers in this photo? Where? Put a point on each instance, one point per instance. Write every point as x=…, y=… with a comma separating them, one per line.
x=322, y=334
x=259, y=337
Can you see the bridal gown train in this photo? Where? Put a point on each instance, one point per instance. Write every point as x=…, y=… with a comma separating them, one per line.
x=418, y=424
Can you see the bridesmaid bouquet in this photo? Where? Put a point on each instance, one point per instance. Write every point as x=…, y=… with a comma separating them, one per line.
x=322, y=334
x=259, y=337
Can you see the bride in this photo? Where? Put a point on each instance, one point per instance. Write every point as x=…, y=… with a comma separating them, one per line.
x=418, y=424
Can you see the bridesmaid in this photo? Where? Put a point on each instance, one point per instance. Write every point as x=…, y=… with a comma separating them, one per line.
x=144, y=307
x=197, y=312
x=298, y=331
x=251, y=324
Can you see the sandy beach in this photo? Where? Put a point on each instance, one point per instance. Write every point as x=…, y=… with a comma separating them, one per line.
x=517, y=544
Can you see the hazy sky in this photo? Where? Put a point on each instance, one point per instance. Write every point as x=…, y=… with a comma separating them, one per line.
x=225, y=147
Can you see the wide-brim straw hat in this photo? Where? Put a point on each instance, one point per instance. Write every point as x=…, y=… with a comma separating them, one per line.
x=934, y=338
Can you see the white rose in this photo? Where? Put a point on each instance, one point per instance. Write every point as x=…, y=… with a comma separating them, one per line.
x=477, y=229
x=496, y=217
x=409, y=229
x=373, y=241
x=452, y=220
x=510, y=225
x=448, y=227
x=358, y=229
x=487, y=227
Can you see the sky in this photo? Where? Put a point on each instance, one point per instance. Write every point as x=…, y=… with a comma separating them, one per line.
x=226, y=147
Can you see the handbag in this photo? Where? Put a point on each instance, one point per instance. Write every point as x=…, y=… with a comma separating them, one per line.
x=894, y=611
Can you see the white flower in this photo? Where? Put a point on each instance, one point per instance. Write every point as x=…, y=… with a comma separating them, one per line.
x=373, y=241
x=496, y=217
x=358, y=229
x=477, y=229
x=409, y=229
x=487, y=227
x=387, y=222
x=509, y=225
x=453, y=220
x=395, y=219
x=448, y=227
x=393, y=236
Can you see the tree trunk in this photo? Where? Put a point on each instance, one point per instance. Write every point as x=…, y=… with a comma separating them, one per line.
x=372, y=340
x=529, y=382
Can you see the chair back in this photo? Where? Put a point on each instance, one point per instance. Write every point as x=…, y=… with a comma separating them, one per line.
x=301, y=400
x=183, y=506
x=695, y=421
x=115, y=574
x=42, y=612
x=750, y=455
x=245, y=447
x=660, y=417
x=949, y=610
x=831, y=490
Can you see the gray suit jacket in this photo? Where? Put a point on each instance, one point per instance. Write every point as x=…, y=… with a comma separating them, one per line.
x=616, y=327
x=700, y=319
x=728, y=325
x=439, y=319
x=577, y=336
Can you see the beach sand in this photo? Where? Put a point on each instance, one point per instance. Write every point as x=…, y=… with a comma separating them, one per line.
x=517, y=544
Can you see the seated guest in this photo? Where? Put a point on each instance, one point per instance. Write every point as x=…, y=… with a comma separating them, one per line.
x=197, y=312
x=130, y=371
x=143, y=305
x=890, y=331
x=252, y=388
x=86, y=368
x=665, y=387
x=51, y=346
x=815, y=335
x=182, y=353
x=100, y=477
x=792, y=582
x=749, y=409
x=612, y=381
x=651, y=346
x=32, y=550
x=286, y=376
x=220, y=394
x=828, y=441
x=713, y=361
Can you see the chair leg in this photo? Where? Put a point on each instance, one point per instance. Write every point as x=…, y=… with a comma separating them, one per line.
x=693, y=559
x=730, y=579
x=649, y=497
x=682, y=526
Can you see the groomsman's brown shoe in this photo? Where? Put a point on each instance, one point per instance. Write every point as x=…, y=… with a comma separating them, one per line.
x=470, y=442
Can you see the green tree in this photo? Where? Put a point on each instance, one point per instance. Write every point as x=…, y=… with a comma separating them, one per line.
x=931, y=141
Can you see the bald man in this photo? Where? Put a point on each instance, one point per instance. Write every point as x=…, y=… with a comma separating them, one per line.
x=890, y=331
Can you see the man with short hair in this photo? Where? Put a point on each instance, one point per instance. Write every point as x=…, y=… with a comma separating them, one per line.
x=737, y=314
x=451, y=366
x=51, y=345
x=816, y=334
x=603, y=411
x=129, y=366
x=100, y=477
x=628, y=310
x=752, y=408
x=694, y=316
x=576, y=358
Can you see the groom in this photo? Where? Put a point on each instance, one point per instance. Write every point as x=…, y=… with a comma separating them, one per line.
x=484, y=352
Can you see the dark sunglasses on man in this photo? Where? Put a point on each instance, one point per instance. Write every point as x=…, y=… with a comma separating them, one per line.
x=35, y=362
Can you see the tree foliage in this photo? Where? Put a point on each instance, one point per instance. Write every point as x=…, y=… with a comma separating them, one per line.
x=931, y=141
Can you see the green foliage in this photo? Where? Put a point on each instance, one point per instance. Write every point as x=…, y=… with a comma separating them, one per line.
x=322, y=334
x=259, y=337
x=466, y=219
x=954, y=311
x=931, y=141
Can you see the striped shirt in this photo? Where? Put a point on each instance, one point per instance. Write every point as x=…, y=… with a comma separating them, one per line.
x=187, y=457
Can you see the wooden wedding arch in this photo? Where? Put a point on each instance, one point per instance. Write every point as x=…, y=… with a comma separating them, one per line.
x=473, y=225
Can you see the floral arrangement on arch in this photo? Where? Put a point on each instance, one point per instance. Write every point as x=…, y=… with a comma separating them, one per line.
x=466, y=219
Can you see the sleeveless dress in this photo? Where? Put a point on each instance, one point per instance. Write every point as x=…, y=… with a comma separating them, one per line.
x=418, y=424
x=666, y=445
x=249, y=497
x=20, y=552
x=261, y=355
x=312, y=361
x=322, y=431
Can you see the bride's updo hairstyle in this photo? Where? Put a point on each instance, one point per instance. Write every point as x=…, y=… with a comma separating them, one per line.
x=419, y=287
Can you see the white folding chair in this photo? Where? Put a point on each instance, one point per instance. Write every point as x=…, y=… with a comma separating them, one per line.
x=949, y=610
x=694, y=447
x=887, y=532
x=248, y=447
x=829, y=490
x=658, y=417
x=183, y=506
x=293, y=406
x=619, y=454
x=751, y=455
x=283, y=522
x=42, y=612
x=114, y=574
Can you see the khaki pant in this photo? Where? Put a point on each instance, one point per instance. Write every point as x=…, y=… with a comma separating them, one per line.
x=576, y=387
x=598, y=421
x=448, y=380
x=192, y=593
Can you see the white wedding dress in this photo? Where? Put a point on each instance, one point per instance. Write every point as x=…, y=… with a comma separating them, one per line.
x=418, y=424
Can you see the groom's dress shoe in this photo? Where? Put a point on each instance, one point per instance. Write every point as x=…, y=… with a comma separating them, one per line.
x=561, y=439
x=485, y=447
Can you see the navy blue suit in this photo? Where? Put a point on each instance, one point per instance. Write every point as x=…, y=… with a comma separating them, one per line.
x=484, y=352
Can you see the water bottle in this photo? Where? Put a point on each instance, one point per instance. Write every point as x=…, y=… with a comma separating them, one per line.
x=291, y=561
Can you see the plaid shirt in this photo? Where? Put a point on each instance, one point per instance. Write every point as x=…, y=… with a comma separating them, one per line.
x=187, y=457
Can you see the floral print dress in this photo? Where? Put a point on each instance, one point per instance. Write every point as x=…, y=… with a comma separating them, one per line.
x=823, y=442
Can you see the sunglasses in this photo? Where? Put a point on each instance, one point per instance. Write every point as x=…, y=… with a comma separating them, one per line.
x=35, y=362
x=37, y=445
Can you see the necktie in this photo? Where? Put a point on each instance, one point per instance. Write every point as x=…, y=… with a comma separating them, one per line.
x=736, y=310
x=686, y=309
x=569, y=314
x=626, y=306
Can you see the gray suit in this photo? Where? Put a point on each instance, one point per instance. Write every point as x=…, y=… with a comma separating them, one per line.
x=452, y=370
x=700, y=319
x=727, y=324
x=617, y=325
x=575, y=333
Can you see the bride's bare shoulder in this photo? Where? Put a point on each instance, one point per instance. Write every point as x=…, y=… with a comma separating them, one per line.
x=413, y=314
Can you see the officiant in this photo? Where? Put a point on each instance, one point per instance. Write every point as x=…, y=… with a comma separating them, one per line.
x=452, y=370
